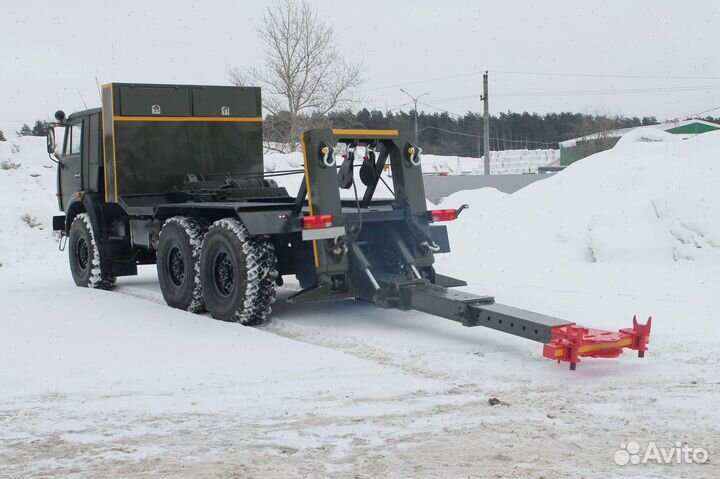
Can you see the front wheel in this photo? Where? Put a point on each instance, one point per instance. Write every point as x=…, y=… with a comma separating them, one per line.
x=238, y=274
x=85, y=265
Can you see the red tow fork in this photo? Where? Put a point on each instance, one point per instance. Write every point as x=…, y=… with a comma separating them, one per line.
x=570, y=342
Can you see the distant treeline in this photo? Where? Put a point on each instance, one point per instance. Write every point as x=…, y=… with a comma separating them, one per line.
x=40, y=128
x=445, y=134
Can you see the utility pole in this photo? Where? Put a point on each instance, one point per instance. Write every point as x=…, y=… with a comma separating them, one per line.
x=415, y=101
x=486, y=125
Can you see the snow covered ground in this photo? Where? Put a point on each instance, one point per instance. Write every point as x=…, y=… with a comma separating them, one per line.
x=116, y=384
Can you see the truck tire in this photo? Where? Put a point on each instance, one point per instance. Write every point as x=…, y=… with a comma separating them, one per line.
x=267, y=288
x=84, y=255
x=178, y=263
x=238, y=273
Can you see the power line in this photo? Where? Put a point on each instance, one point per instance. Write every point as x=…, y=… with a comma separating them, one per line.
x=700, y=113
x=454, y=98
x=607, y=75
x=584, y=92
x=609, y=92
x=429, y=80
x=399, y=106
x=441, y=110
x=506, y=140
x=552, y=74
x=574, y=93
x=459, y=133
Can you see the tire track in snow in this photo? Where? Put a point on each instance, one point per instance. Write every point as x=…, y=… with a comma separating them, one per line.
x=278, y=327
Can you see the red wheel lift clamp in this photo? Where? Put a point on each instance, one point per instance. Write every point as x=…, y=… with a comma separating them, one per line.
x=571, y=342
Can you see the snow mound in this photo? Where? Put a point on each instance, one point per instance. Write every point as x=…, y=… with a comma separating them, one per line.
x=651, y=199
x=283, y=161
x=646, y=135
x=27, y=186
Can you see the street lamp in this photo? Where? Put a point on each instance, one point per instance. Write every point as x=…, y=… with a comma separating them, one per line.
x=415, y=101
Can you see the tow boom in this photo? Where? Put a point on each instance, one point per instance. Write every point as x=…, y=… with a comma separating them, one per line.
x=563, y=340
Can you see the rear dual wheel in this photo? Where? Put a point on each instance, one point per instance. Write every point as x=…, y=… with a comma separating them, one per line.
x=222, y=269
x=178, y=263
x=238, y=273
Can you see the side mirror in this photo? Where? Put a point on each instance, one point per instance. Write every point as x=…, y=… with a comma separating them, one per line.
x=60, y=116
x=51, y=140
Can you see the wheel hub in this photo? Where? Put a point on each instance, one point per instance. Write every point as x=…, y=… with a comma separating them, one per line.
x=176, y=266
x=224, y=274
x=82, y=254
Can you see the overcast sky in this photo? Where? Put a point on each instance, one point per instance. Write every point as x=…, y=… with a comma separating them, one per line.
x=50, y=50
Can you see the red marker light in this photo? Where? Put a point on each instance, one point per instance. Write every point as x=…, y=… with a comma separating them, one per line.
x=443, y=215
x=317, y=222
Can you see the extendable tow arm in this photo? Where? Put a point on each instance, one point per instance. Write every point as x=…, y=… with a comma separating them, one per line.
x=564, y=341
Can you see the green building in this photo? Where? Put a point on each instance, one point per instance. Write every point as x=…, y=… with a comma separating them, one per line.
x=578, y=148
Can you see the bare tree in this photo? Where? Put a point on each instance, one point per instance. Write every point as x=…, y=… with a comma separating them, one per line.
x=597, y=132
x=303, y=76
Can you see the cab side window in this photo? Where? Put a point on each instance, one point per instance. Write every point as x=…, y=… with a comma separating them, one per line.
x=73, y=139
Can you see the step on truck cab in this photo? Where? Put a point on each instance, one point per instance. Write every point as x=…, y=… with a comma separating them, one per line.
x=173, y=175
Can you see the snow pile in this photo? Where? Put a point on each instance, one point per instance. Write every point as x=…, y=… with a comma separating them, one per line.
x=642, y=201
x=27, y=193
x=647, y=135
x=283, y=161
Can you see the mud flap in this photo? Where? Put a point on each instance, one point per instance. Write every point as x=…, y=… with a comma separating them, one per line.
x=439, y=235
